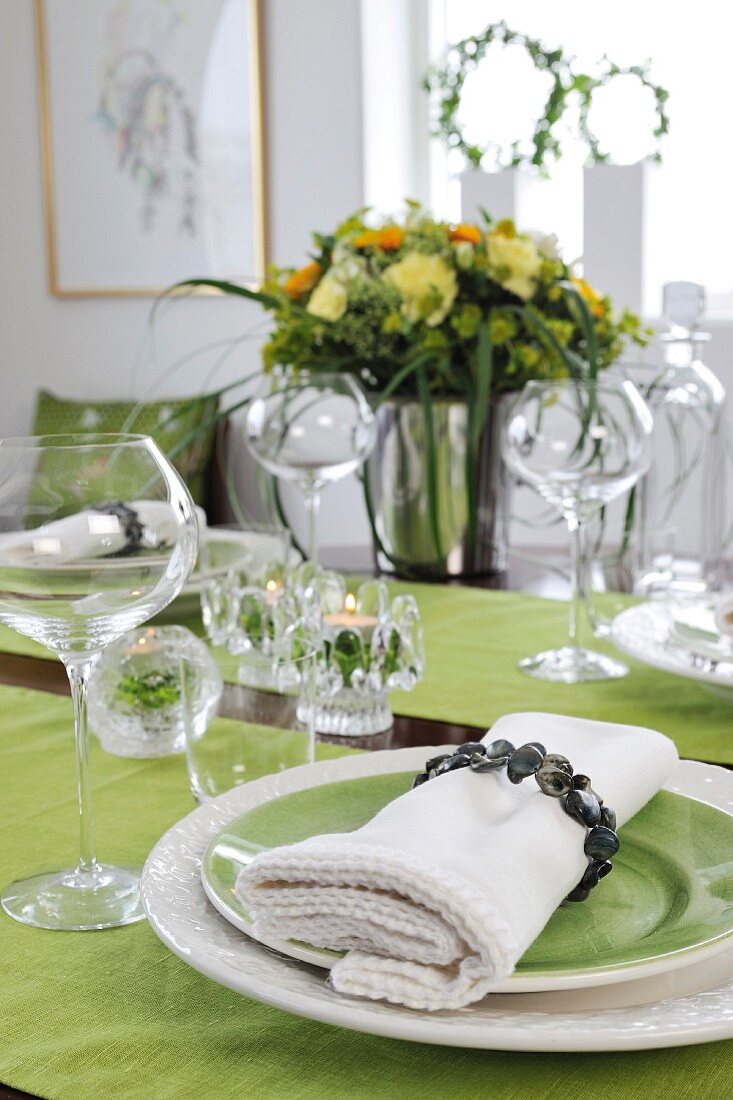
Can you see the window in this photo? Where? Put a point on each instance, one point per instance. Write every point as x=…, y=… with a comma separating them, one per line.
x=690, y=54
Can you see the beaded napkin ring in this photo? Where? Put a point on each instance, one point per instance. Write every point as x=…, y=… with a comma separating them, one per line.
x=130, y=523
x=554, y=775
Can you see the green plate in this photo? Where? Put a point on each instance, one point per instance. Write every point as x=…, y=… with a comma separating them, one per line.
x=668, y=902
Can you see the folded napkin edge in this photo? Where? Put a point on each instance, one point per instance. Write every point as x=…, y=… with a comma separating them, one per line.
x=478, y=922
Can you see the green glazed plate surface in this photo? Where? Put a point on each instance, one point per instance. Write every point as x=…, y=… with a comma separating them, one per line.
x=668, y=902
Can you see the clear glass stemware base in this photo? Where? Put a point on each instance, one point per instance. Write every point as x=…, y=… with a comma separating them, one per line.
x=75, y=900
x=572, y=665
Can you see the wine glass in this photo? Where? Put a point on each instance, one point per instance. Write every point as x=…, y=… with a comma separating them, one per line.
x=579, y=444
x=310, y=428
x=97, y=534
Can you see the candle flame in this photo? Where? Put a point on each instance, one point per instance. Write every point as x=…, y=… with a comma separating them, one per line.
x=350, y=603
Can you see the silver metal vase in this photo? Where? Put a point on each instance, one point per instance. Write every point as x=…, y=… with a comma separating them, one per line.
x=450, y=540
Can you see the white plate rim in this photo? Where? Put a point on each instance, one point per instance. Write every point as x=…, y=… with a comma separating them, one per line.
x=223, y=535
x=653, y=654
x=412, y=759
x=182, y=917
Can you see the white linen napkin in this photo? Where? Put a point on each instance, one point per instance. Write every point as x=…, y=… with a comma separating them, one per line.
x=90, y=534
x=438, y=897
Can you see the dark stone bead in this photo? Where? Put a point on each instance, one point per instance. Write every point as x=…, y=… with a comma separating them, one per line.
x=557, y=761
x=583, y=806
x=582, y=783
x=553, y=781
x=419, y=780
x=580, y=893
x=499, y=748
x=472, y=747
x=434, y=761
x=601, y=843
x=608, y=818
x=460, y=760
x=539, y=746
x=523, y=762
x=594, y=872
x=487, y=764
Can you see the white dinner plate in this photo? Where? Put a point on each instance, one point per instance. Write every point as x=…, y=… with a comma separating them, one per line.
x=647, y=633
x=678, y=1007
x=678, y=928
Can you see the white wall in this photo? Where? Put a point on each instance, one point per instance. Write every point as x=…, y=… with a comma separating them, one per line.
x=93, y=348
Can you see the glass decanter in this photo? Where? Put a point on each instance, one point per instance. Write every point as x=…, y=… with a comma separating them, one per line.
x=678, y=517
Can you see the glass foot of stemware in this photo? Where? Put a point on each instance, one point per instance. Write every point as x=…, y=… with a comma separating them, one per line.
x=76, y=901
x=571, y=665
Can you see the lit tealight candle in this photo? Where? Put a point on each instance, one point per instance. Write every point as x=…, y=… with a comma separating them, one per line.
x=349, y=619
x=146, y=643
x=271, y=592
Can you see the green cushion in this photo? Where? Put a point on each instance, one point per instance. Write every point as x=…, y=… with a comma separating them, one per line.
x=168, y=422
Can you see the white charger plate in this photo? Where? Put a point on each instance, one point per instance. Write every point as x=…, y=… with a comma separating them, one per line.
x=681, y=1007
x=646, y=633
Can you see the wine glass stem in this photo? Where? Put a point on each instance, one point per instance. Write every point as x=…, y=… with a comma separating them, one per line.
x=579, y=597
x=78, y=671
x=312, y=505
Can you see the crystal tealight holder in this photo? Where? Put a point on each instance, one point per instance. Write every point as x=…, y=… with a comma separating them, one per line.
x=137, y=686
x=369, y=647
x=256, y=615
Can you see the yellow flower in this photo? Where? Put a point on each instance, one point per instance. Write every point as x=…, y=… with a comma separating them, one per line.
x=427, y=286
x=328, y=300
x=505, y=228
x=590, y=295
x=514, y=259
x=300, y=282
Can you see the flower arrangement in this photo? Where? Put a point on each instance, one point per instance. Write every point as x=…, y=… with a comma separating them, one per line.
x=421, y=310
x=420, y=296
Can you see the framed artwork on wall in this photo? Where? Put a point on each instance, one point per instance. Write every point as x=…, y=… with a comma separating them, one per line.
x=152, y=134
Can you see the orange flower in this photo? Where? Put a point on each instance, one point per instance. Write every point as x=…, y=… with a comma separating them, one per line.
x=590, y=295
x=465, y=232
x=300, y=282
x=388, y=239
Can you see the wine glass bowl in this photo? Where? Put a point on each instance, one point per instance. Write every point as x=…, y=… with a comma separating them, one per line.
x=97, y=534
x=310, y=428
x=579, y=444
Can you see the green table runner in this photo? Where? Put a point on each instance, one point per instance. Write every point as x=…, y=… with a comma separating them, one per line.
x=115, y=1014
x=473, y=640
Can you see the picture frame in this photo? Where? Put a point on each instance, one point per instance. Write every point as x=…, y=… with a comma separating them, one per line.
x=152, y=143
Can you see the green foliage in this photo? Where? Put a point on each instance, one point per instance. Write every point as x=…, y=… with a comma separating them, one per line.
x=149, y=690
x=567, y=86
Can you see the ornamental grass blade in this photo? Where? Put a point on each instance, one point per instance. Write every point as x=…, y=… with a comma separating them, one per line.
x=478, y=397
x=423, y=390
x=225, y=287
x=584, y=318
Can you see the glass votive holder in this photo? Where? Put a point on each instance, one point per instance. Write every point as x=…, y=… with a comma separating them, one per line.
x=250, y=608
x=369, y=648
x=252, y=731
x=138, y=686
